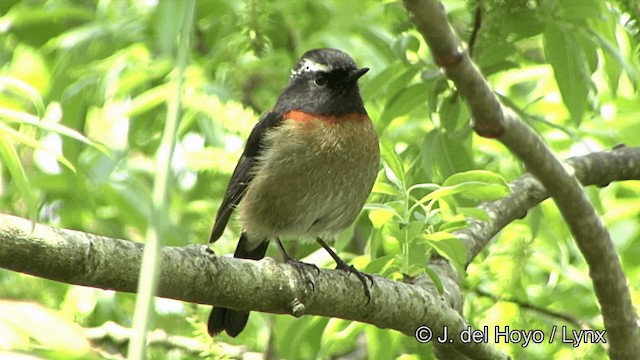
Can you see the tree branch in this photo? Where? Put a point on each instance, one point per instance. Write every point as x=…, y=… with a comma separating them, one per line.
x=193, y=274
x=598, y=168
x=491, y=119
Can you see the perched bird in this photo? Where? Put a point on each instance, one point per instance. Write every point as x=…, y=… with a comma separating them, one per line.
x=306, y=171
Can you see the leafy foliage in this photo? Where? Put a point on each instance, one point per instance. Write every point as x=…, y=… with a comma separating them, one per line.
x=83, y=88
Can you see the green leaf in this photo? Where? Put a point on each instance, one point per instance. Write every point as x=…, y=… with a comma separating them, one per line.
x=453, y=153
x=474, y=212
x=401, y=81
x=449, y=112
x=381, y=264
x=457, y=223
x=604, y=35
x=483, y=176
x=23, y=89
x=524, y=23
x=449, y=246
x=49, y=329
x=403, y=44
x=380, y=214
x=429, y=187
x=428, y=151
x=445, y=153
x=381, y=187
x=435, y=278
x=569, y=63
x=381, y=343
x=412, y=229
x=393, y=167
x=379, y=83
x=24, y=118
x=579, y=10
x=149, y=99
x=404, y=102
x=26, y=140
x=11, y=160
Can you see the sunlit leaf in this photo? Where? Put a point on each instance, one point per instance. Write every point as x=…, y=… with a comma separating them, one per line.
x=449, y=246
x=394, y=169
x=29, y=141
x=45, y=327
x=23, y=89
x=11, y=160
x=24, y=118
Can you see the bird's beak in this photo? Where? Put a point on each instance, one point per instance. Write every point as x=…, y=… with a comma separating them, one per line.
x=355, y=75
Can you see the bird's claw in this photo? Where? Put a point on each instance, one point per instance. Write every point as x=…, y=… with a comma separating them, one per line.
x=301, y=267
x=350, y=269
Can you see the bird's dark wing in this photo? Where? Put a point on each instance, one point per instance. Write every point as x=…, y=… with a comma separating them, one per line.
x=243, y=172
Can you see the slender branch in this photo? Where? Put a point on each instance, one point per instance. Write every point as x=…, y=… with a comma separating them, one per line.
x=491, y=119
x=539, y=309
x=192, y=274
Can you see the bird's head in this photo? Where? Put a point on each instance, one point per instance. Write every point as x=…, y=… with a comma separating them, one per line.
x=323, y=81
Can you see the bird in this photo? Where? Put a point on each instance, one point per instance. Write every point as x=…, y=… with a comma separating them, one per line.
x=307, y=169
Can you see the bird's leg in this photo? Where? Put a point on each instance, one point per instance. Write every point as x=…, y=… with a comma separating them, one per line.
x=299, y=265
x=350, y=269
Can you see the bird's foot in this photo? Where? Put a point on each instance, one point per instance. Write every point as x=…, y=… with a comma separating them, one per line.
x=303, y=270
x=363, y=277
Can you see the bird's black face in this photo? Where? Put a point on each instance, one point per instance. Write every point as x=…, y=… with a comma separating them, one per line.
x=324, y=81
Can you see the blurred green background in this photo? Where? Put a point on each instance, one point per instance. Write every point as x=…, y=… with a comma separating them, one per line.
x=83, y=93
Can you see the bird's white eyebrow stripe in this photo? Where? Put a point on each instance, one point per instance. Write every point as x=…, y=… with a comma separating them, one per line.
x=310, y=66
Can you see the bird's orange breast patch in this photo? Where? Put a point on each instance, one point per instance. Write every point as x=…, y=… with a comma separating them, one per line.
x=304, y=117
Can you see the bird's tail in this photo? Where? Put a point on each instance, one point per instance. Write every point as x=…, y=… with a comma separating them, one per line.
x=232, y=321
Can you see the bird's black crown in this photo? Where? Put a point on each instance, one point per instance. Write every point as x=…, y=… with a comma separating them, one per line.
x=325, y=60
x=323, y=81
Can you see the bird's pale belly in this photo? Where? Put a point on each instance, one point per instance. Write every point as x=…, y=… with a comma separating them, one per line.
x=320, y=193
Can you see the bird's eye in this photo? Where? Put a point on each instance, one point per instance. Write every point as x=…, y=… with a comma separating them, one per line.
x=320, y=80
